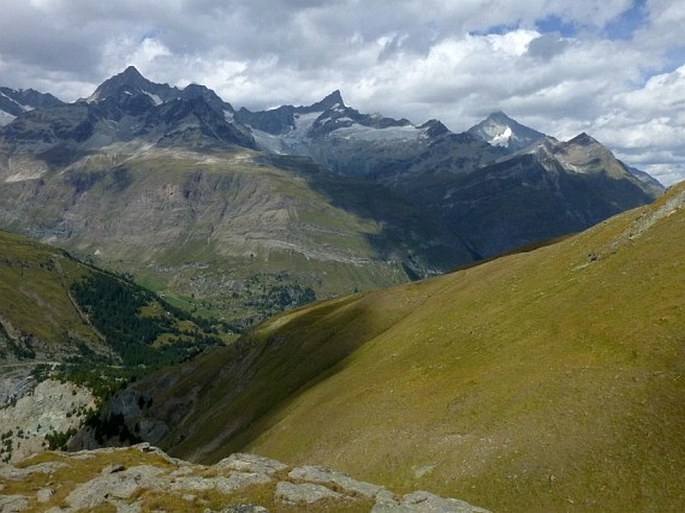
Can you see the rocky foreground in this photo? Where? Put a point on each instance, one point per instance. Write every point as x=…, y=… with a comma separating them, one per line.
x=144, y=479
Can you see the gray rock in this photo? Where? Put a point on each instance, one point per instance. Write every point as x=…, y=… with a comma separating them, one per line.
x=49, y=467
x=425, y=502
x=315, y=474
x=147, y=448
x=44, y=494
x=185, y=470
x=135, y=507
x=120, y=485
x=223, y=484
x=307, y=493
x=251, y=463
x=12, y=503
x=244, y=508
x=112, y=468
x=51, y=407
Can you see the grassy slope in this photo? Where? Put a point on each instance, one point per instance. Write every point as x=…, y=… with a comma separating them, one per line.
x=545, y=381
x=34, y=299
x=41, y=319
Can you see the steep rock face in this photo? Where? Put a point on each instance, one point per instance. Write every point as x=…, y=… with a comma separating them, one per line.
x=134, y=82
x=547, y=190
x=349, y=142
x=143, y=477
x=488, y=190
x=49, y=409
x=528, y=199
x=14, y=103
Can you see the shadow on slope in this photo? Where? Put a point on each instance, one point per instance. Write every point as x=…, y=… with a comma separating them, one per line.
x=416, y=236
x=542, y=381
x=214, y=404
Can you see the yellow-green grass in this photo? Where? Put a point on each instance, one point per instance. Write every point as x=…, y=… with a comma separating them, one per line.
x=543, y=381
x=40, y=316
x=34, y=297
x=76, y=471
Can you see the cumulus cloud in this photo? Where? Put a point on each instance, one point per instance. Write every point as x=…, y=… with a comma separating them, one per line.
x=455, y=61
x=646, y=126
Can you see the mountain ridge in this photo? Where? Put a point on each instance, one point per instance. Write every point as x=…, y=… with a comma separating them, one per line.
x=258, y=198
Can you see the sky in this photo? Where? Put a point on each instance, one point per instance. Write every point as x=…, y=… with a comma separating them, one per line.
x=612, y=68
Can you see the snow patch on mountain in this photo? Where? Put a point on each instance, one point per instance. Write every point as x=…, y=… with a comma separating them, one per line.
x=390, y=134
x=503, y=138
x=155, y=98
x=268, y=142
x=303, y=124
x=6, y=118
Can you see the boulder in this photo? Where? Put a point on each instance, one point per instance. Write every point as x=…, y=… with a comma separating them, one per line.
x=307, y=493
x=425, y=502
x=112, y=486
x=251, y=463
x=322, y=475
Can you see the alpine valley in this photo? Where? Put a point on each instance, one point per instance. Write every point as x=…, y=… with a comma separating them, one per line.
x=494, y=315
x=240, y=214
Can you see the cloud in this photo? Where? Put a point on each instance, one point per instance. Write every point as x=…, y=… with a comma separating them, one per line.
x=455, y=61
x=646, y=126
x=547, y=46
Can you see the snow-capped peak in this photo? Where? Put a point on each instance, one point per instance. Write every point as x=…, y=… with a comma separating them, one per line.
x=498, y=129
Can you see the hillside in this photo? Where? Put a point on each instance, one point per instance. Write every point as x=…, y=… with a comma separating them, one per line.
x=32, y=276
x=56, y=309
x=540, y=381
x=228, y=233
x=71, y=335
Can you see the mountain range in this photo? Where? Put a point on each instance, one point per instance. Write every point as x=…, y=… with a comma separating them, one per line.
x=534, y=369
x=242, y=214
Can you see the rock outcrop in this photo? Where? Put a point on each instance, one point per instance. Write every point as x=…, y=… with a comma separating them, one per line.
x=52, y=411
x=143, y=478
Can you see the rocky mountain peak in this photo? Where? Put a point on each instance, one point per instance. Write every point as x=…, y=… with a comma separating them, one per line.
x=131, y=72
x=14, y=103
x=500, y=117
x=434, y=128
x=329, y=102
x=135, y=83
x=199, y=91
x=498, y=129
x=583, y=139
